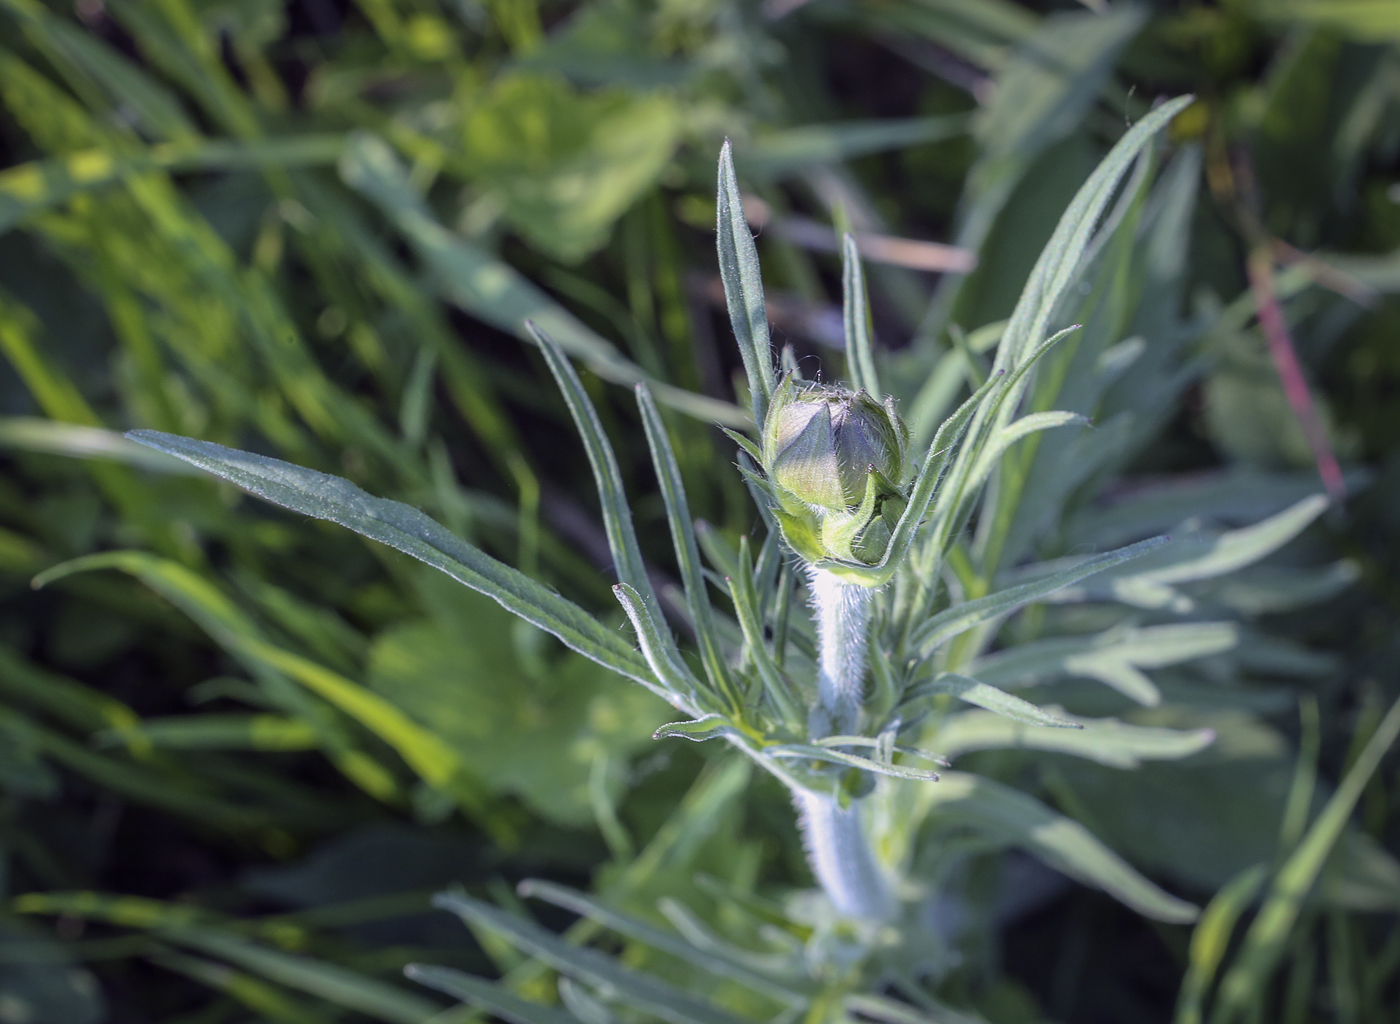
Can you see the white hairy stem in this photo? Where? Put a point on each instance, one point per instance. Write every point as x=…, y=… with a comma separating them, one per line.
x=842, y=612
x=838, y=847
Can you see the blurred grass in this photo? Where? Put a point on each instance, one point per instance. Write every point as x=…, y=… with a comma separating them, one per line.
x=313, y=230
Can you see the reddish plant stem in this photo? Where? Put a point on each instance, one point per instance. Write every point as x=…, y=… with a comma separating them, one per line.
x=1290, y=371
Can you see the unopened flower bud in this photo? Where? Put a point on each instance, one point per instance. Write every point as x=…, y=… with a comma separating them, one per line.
x=835, y=460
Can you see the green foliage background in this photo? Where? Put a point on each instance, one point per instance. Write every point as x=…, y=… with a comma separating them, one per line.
x=234, y=770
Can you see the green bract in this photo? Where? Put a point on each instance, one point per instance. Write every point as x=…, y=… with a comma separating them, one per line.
x=834, y=461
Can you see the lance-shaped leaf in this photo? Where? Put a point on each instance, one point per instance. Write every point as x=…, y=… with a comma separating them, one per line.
x=1106, y=741
x=494, y=999
x=1006, y=815
x=697, y=599
x=665, y=661
x=827, y=754
x=988, y=697
x=1116, y=657
x=406, y=529
x=1195, y=558
x=775, y=684
x=731, y=967
x=942, y=627
x=743, y=287
x=855, y=309
x=617, y=514
x=649, y=995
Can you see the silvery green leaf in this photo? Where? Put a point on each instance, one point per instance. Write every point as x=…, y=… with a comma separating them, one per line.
x=486, y=995
x=1008, y=816
x=855, y=310
x=406, y=529
x=617, y=514
x=743, y=287
x=708, y=728
x=1115, y=657
x=961, y=617
x=1195, y=557
x=683, y=540
x=984, y=695
x=646, y=993
x=732, y=967
x=827, y=754
x=1106, y=741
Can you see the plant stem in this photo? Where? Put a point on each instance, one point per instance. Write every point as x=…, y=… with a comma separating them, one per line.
x=838, y=847
x=842, y=611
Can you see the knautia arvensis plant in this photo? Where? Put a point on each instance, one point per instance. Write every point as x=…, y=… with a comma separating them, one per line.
x=904, y=548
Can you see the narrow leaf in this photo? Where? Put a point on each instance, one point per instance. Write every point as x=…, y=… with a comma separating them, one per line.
x=743, y=287
x=855, y=308
x=722, y=966
x=486, y=995
x=589, y=966
x=960, y=618
x=697, y=598
x=988, y=697
x=617, y=514
x=406, y=529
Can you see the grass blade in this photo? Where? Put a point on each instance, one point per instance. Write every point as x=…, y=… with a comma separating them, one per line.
x=1268, y=935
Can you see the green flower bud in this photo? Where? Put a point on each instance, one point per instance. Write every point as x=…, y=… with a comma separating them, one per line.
x=835, y=460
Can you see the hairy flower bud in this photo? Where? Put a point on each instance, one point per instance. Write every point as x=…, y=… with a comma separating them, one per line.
x=834, y=460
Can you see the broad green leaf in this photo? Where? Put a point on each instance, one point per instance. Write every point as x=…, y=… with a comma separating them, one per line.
x=743, y=288
x=1007, y=815
x=406, y=529
x=647, y=994
x=490, y=997
x=563, y=163
x=488, y=288
x=1106, y=741
x=530, y=719
x=1269, y=933
x=984, y=695
x=961, y=617
x=723, y=966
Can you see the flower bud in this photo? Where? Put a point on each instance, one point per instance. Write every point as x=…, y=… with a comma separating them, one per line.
x=834, y=460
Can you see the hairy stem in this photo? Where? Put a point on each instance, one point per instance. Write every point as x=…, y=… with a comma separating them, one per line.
x=835, y=838
x=842, y=611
